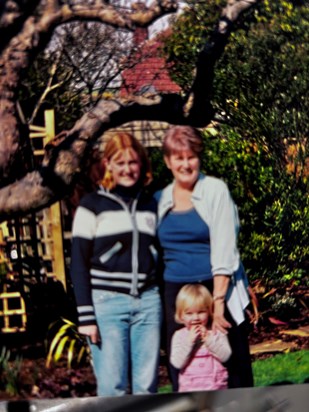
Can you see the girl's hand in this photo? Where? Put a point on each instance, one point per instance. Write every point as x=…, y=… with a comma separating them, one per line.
x=203, y=333
x=194, y=333
x=92, y=331
x=219, y=322
x=197, y=332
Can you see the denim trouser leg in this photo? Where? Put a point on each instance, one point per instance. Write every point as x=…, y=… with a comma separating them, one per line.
x=130, y=329
x=145, y=342
x=111, y=358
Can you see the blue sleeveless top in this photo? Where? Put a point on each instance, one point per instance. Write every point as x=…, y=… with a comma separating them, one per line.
x=184, y=237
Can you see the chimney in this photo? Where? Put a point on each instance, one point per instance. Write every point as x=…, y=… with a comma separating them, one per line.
x=140, y=34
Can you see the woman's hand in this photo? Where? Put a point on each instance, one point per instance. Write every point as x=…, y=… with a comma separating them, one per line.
x=219, y=322
x=92, y=331
x=221, y=284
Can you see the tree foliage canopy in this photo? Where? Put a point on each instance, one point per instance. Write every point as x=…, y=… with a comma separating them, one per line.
x=261, y=79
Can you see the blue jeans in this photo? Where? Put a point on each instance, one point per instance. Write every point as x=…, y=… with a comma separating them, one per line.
x=130, y=342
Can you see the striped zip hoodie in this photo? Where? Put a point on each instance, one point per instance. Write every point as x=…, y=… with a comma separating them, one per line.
x=113, y=246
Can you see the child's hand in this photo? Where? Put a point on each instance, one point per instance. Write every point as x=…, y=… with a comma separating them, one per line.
x=197, y=333
x=203, y=333
x=194, y=333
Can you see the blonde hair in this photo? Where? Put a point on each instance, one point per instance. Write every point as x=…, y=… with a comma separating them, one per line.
x=179, y=138
x=193, y=295
x=120, y=141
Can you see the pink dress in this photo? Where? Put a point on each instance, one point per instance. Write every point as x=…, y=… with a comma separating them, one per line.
x=200, y=369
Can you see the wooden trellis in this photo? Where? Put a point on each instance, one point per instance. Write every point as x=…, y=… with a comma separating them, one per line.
x=51, y=225
x=44, y=228
x=12, y=312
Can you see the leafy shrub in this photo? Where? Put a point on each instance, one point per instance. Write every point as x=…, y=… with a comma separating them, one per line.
x=272, y=205
x=284, y=306
x=10, y=372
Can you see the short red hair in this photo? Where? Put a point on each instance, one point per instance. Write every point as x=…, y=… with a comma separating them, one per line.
x=179, y=138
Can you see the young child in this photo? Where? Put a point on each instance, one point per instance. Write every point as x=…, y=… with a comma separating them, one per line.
x=195, y=349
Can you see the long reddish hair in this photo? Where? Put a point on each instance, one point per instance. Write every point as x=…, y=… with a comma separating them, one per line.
x=120, y=141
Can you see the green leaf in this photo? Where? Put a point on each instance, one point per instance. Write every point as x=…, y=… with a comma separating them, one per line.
x=71, y=352
x=60, y=348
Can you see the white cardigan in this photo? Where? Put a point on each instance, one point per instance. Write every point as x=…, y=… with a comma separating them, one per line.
x=213, y=202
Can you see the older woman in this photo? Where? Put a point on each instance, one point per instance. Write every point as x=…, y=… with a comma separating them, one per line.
x=198, y=234
x=113, y=271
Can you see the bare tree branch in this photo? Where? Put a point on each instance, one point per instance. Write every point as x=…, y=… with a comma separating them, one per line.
x=48, y=89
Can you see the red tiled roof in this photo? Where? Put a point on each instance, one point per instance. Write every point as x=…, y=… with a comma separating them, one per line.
x=149, y=73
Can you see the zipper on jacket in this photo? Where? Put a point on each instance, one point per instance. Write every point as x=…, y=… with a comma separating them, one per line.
x=134, y=284
x=134, y=253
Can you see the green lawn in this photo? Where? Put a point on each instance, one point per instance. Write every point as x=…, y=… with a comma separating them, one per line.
x=288, y=367
x=283, y=368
